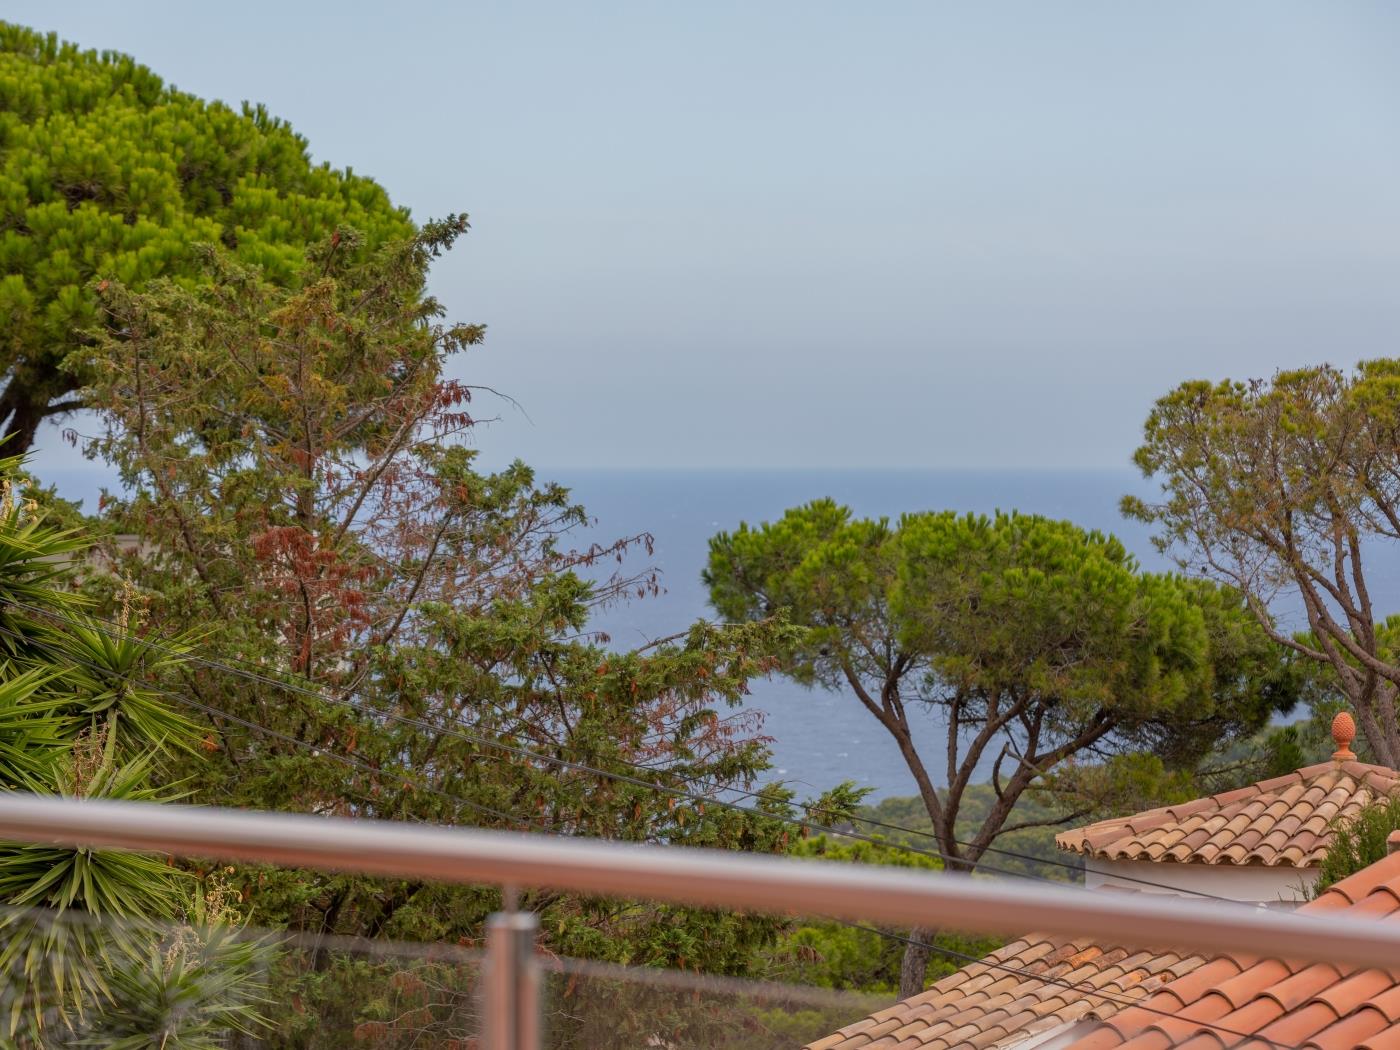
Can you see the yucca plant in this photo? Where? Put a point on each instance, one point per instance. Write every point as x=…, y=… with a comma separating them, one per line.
x=96, y=944
x=70, y=914
x=106, y=680
x=190, y=989
x=36, y=560
x=33, y=724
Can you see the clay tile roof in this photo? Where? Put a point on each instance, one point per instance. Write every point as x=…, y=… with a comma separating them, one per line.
x=1286, y=821
x=1150, y=1000
x=1270, y=1003
x=984, y=1005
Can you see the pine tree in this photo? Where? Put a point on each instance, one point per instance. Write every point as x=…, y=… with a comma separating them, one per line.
x=107, y=173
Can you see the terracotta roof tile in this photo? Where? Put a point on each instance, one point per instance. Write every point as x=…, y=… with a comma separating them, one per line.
x=1285, y=821
x=1389, y=1039
x=1294, y=991
x=1181, y=1000
x=1151, y=1040
x=1245, y=986
x=1178, y=1029
x=1191, y=987
x=1203, y=1042
x=1388, y=1003
x=1347, y=1033
x=1253, y=1016
x=1103, y=1039
x=984, y=1006
x=1357, y=990
x=1317, y=1006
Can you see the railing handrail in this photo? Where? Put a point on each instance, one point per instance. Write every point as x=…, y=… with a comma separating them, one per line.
x=699, y=877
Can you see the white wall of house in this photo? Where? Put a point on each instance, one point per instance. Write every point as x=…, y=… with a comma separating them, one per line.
x=1240, y=882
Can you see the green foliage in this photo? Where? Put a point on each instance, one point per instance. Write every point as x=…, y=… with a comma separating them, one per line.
x=99, y=882
x=1044, y=814
x=187, y=990
x=1358, y=843
x=31, y=729
x=1034, y=641
x=294, y=467
x=1037, y=640
x=106, y=173
x=858, y=851
x=1288, y=484
x=75, y=923
x=781, y=1028
x=840, y=956
x=1278, y=750
x=105, y=669
x=402, y=1004
x=603, y=1007
x=1117, y=785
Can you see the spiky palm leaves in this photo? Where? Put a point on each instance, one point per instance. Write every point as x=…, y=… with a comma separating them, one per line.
x=78, y=718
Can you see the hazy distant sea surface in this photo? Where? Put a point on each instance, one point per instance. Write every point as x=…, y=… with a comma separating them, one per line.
x=819, y=738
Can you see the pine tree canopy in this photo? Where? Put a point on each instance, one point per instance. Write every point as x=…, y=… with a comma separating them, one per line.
x=108, y=173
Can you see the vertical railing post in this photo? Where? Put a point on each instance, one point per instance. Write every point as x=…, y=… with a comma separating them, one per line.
x=510, y=987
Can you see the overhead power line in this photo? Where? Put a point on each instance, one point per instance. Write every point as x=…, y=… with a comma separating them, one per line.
x=459, y=732
x=218, y=663
x=1083, y=988
x=317, y=750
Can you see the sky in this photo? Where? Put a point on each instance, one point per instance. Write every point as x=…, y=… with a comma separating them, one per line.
x=981, y=235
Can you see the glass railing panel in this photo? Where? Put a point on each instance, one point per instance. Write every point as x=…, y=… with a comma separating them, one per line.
x=330, y=992
x=70, y=979
x=73, y=980
x=591, y=1005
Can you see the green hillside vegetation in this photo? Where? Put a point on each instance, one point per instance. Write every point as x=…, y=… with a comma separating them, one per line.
x=1042, y=859
x=849, y=957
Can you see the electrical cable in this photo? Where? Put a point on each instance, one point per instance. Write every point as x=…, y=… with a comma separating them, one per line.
x=227, y=664
x=482, y=741
x=964, y=957
x=462, y=733
x=317, y=750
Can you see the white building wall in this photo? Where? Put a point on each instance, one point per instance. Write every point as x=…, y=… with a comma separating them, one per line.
x=1240, y=882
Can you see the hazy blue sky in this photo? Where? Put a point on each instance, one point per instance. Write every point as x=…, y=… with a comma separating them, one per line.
x=923, y=234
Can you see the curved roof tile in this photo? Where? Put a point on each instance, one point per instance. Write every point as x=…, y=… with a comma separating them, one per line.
x=1284, y=821
x=984, y=1005
x=1279, y=822
x=1273, y=1002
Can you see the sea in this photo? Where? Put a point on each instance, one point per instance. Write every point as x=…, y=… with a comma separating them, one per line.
x=818, y=738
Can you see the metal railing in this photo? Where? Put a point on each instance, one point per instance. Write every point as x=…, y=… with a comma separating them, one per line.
x=706, y=878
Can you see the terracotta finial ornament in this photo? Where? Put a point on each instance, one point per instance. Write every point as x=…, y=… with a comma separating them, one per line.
x=1343, y=732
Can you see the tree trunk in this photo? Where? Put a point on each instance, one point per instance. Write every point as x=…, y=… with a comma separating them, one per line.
x=1369, y=709
x=24, y=405
x=914, y=969
x=23, y=426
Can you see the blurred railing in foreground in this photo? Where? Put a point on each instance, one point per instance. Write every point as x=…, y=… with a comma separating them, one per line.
x=222, y=986
x=511, y=997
